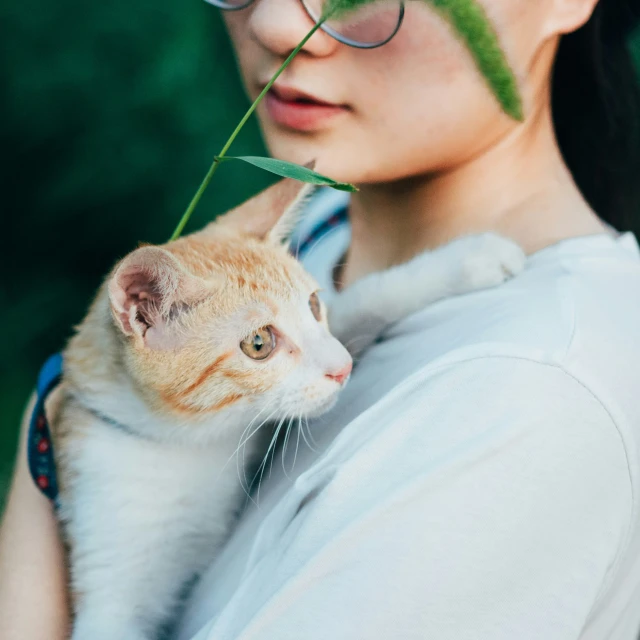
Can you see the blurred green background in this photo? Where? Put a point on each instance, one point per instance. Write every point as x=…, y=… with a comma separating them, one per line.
x=110, y=114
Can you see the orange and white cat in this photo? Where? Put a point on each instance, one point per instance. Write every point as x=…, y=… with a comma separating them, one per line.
x=188, y=348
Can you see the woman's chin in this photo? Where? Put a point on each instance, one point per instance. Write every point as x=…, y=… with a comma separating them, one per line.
x=301, y=149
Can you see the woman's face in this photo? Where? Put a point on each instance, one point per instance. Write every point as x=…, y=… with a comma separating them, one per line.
x=413, y=106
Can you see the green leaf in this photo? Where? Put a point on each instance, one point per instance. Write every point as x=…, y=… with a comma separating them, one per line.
x=473, y=27
x=291, y=170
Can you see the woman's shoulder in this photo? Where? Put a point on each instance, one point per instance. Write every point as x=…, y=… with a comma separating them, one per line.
x=570, y=320
x=542, y=370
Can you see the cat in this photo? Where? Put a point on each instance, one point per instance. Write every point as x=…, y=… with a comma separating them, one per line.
x=188, y=349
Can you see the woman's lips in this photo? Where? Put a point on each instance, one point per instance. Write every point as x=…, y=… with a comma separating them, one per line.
x=297, y=110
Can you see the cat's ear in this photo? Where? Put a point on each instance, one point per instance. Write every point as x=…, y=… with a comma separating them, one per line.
x=272, y=214
x=146, y=289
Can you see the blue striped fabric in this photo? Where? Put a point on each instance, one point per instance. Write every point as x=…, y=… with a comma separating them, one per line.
x=39, y=444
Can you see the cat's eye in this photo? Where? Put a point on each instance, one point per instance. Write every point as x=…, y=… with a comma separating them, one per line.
x=315, y=306
x=259, y=344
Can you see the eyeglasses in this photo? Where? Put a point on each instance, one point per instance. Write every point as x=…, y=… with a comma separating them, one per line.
x=366, y=28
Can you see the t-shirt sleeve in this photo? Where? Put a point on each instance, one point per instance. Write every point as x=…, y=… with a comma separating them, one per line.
x=488, y=499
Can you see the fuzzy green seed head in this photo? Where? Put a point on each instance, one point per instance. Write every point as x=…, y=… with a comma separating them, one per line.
x=472, y=26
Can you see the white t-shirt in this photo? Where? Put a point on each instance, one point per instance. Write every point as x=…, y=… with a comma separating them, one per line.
x=478, y=479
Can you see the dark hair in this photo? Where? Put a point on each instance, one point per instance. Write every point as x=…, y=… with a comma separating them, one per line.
x=596, y=111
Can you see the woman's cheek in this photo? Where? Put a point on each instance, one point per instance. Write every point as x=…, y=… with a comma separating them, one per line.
x=237, y=28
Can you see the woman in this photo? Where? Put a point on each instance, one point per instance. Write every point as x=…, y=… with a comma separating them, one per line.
x=480, y=477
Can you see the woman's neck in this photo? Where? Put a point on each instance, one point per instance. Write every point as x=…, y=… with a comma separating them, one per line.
x=519, y=187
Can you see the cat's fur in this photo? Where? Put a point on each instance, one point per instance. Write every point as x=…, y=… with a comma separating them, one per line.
x=158, y=399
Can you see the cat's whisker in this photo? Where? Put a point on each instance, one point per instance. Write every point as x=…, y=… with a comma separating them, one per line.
x=262, y=466
x=247, y=428
x=247, y=493
x=313, y=440
x=244, y=482
x=265, y=458
x=295, y=455
x=242, y=435
x=275, y=446
x=244, y=444
x=244, y=465
x=284, y=446
x=304, y=435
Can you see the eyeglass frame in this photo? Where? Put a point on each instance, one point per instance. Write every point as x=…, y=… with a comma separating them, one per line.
x=325, y=27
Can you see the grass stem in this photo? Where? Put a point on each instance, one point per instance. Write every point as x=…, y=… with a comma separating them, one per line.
x=214, y=165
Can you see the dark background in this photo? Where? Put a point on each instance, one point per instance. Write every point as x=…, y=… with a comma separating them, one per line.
x=110, y=114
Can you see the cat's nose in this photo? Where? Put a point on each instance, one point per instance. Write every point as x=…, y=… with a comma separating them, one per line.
x=341, y=374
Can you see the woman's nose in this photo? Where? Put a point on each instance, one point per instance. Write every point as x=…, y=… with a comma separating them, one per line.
x=280, y=25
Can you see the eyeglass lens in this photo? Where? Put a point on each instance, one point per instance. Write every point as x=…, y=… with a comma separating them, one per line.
x=369, y=26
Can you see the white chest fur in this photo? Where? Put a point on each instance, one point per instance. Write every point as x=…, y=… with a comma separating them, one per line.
x=144, y=518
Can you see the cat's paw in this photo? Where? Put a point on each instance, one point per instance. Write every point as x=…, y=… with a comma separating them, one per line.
x=483, y=261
